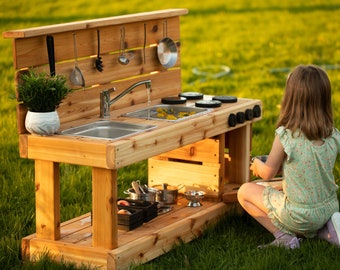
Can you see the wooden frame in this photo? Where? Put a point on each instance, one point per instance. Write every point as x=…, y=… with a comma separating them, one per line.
x=94, y=238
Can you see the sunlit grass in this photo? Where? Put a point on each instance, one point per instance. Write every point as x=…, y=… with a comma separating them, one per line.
x=259, y=40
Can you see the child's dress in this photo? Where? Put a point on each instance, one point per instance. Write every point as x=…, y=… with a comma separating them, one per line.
x=309, y=195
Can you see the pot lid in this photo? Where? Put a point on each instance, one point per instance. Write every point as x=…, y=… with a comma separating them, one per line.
x=191, y=95
x=174, y=100
x=208, y=103
x=226, y=99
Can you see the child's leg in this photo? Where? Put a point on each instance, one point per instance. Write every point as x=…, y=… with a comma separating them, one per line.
x=251, y=199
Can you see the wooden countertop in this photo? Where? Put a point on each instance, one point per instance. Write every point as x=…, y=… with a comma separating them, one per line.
x=114, y=154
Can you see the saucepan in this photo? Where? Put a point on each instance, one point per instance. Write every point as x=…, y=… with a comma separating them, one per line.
x=166, y=193
x=149, y=196
x=167, y=50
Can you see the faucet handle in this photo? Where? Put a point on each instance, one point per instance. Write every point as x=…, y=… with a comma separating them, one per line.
x=108, y=91
x=105, y=102
x=105, y=94
x=111, y=89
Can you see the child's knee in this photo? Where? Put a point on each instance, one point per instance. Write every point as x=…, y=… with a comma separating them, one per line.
x=243, y=191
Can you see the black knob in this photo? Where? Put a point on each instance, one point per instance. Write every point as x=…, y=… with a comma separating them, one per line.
x=232, y=121
x=257, y=111
x=240, y=117
x=249, y=114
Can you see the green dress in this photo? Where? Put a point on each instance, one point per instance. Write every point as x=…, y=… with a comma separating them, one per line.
x=309, y=195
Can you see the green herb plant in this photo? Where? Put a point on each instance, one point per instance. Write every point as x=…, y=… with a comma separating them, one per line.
x=41, y=92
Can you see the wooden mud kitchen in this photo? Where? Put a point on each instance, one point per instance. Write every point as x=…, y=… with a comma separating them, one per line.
x=209, y=151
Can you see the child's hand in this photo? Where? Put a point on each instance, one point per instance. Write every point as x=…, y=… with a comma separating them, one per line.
x=255, y=165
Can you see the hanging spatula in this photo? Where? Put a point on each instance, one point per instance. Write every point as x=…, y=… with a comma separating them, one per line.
x=99, y=61
x=50, y=52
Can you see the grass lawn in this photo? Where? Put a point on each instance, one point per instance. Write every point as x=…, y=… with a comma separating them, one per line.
x=259, y=40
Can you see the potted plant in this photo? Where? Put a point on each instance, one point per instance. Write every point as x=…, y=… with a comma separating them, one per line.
x=42, y=94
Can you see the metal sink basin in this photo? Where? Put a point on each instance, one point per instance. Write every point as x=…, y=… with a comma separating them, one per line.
x=104, y=129
x=172, y=113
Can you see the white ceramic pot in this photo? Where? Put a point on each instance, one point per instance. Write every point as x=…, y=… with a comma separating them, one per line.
x=42, y=123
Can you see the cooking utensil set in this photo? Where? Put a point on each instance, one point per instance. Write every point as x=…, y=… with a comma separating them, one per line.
x=166, y=52
x=163, y=194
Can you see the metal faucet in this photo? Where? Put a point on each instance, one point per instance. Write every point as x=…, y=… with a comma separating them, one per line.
x=105, y=101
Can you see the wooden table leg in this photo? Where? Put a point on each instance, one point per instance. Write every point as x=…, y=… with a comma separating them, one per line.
x=239, y=152
x=47, y=199
x=104, y=208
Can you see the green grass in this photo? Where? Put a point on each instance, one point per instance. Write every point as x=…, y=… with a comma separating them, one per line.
x=258, y=40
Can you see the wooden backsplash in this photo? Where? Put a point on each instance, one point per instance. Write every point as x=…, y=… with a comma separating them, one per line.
x=30, y=51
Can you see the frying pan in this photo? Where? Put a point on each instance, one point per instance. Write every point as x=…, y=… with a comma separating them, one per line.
x=167, y=50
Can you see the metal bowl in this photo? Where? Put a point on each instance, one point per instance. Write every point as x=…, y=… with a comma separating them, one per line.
x=194, y=197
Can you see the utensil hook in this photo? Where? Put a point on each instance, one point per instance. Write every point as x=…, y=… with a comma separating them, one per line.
x=165, y=28
x=75, y=49
x=144, y=45
x=122, y=39
x=98, y=42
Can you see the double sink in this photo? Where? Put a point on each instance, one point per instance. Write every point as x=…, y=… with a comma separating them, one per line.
x=113, y=130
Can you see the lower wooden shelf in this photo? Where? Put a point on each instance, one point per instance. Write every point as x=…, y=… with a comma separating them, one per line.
x=140, y=245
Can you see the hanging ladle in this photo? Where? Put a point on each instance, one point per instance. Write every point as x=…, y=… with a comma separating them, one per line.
x=76, y=76
x=122, y=58
x=99, y=62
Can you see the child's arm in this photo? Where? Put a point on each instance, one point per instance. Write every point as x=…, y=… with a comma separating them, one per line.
x=273, y=164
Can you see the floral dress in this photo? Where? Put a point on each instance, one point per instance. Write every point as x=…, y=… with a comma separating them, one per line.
x=309, y=197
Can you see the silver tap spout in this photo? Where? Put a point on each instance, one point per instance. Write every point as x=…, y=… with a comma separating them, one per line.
x=105, y=101
x=128, y=90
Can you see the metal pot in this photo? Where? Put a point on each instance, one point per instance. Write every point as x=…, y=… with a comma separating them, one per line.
x=166, y=194
x=167, y=49
x=167, y=52
x=148, y=196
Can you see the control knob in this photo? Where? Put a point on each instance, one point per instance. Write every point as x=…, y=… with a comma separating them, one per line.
x=232, y=121
x=257, y=111
x=240, y=116
x=249, y=114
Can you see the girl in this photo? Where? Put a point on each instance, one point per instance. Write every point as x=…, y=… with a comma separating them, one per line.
x=306, y=144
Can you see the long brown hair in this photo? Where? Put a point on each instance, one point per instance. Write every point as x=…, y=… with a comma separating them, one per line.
x=306, y=104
